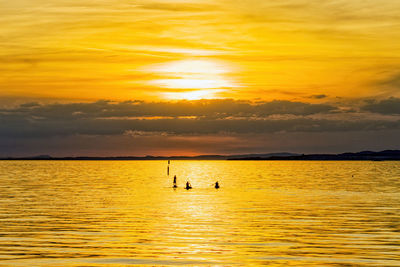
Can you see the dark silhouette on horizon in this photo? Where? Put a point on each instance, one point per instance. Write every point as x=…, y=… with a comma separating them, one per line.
x=363, y=155
x=216, y=185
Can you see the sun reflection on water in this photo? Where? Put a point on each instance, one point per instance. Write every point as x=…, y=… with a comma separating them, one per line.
x=126, y=212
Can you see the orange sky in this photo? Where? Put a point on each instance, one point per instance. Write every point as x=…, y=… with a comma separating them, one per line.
x=120, y=50
x=331, y=61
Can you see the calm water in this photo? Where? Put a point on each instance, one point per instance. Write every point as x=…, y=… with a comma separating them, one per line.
x=97, y=213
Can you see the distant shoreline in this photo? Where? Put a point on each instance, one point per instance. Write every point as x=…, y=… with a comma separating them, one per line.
x=386, y=155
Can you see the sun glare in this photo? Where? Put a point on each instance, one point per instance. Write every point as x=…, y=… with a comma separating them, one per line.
x=193, y=95
x=203, y=77
x=194, y=66
x=186, y=83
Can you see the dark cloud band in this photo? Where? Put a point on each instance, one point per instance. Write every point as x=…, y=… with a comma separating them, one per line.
x=202, y=117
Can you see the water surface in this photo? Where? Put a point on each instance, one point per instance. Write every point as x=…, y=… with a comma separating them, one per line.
x=279, y=213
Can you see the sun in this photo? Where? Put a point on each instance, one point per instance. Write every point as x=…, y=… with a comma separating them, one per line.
x=192, y=78
x=193, y=95
x=189, y=83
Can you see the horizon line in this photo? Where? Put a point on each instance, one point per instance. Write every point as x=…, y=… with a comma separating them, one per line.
x=221, y=156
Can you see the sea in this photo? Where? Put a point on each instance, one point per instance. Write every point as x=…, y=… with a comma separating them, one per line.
x=276, y=213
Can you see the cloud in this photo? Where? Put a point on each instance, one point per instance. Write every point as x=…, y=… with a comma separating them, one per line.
x=289, y=107
x=321, y=96
x=136, y=133
x=30, y=105
x=179, y=7
x=203, y=117
x=190, y=127
x=387, y=106
x=203, y=108
x=393, y=81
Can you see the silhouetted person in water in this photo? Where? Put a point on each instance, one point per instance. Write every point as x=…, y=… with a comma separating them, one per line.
x=168, y=170
x=216, y=185
x=188, y=186
x=175, y=186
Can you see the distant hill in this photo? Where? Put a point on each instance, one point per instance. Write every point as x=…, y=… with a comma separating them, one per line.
x=269, y=155
x=42, y=157
x=363, y=155
x=200, y=157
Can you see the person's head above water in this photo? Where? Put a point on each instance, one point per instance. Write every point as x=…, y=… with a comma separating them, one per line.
x=188, y=185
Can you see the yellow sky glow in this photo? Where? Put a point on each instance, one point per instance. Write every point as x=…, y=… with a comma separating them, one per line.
x=285, y=49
